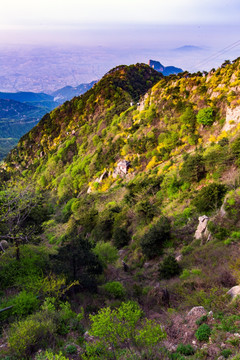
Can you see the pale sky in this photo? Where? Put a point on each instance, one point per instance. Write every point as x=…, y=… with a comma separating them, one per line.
x=59, y=14
x=89, y=37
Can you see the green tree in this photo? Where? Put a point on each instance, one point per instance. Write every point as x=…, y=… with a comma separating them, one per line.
x=153, y=241
x=169, y=267
x=77, y=261
x=205, y=116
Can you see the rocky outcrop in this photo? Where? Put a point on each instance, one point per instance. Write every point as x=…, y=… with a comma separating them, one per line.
x=202, y=233
x=232, y=118
x=165, y=70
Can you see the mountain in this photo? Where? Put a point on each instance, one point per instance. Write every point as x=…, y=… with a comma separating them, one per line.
x=189, y=48
x=120, y=211
x=68, y=92
x=26, y=96
x=20, y=111
x=165, y=70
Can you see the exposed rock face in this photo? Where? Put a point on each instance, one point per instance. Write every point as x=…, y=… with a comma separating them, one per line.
x=234, y=291
x=232, y=118
x=202, y=232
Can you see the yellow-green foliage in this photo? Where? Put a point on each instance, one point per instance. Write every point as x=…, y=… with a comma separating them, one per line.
x=30, y=334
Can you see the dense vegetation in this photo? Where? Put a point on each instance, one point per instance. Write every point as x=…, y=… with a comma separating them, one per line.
x=86, y=247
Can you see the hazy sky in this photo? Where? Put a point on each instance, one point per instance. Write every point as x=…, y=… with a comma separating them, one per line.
x=44, y=14
x=107, y=33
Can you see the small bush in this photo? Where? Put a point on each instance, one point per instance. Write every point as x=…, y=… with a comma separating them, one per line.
x=106, y=252
x=24, y=304
x=121, y=237
x=153, y=241
x=186, y=249
x=185, y=349
x=227, y=279
x=169, y=268
x=236, y=357
x=230, y=324
x=71, y=349
x=193, y=168
x=48, y=355
x=203, y=332
x=201, y=320
x=210, y=197
x=115, y=290
x=29, y=335
x=226, y=353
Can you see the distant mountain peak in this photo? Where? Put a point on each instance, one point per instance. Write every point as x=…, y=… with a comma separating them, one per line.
x=165, y=70
x=156, y=65
x=189, y=48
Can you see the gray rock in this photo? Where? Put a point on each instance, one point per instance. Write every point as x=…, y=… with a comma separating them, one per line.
x=197, y=311
x=234, y=291
x=178, y=258
x=3, y=245
x=202, y=232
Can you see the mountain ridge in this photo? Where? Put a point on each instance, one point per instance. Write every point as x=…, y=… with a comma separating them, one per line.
x=135, y=204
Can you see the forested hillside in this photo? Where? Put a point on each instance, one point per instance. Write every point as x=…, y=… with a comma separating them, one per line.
x=99, y=210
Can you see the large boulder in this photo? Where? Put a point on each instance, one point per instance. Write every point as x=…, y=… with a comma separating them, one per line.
x=234, y=291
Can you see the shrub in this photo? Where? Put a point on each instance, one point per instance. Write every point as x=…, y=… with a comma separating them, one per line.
x=203, y=332
x=115, y=290
x=106, y=252
x=123, y=328
x=201, y=320
x=226, y=353
x=120, y=237
x=71, y=349
x=223, y=142
x=169, y=268
x=193, y=168
x=153, y=241
x=48, y=355
x=145, y=210
x=31, y=334
x=24, y=304
x=205, y=116
x=210, y=197
x=227, y=279
x=236, y=357
x=235, y=148
x=185, y=349
x=186, y=249
x=230, y=324
x=65, y=319
x=188, y=118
